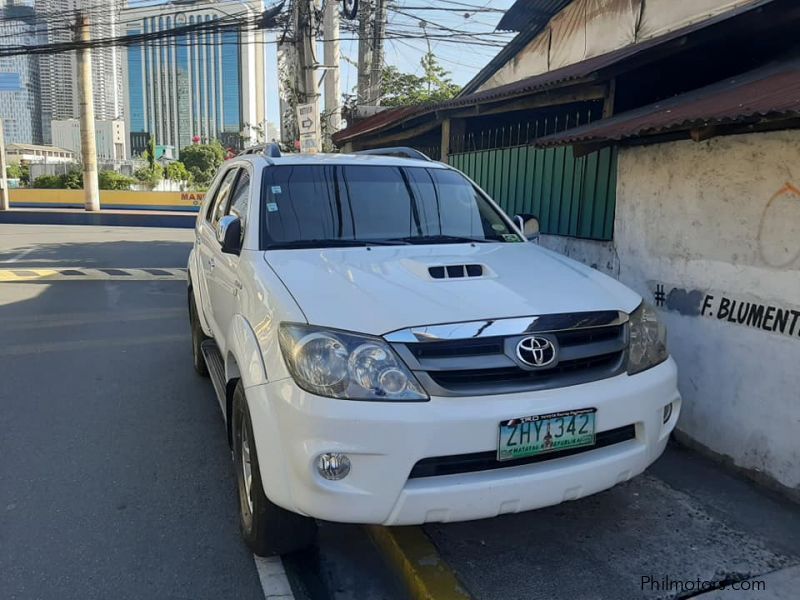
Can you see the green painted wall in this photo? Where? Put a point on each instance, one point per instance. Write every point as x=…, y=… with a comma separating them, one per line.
x=570, y=196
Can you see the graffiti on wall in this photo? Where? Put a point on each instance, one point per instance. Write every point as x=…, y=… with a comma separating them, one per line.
x=779, y=228
x=745, y=311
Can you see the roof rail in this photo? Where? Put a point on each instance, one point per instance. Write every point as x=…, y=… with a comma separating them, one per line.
x=401, y=151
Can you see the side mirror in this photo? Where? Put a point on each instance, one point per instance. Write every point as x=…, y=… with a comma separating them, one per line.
x=529, y=225
x=229, y=234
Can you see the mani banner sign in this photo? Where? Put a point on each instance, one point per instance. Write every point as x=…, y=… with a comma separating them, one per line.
x=308, y=123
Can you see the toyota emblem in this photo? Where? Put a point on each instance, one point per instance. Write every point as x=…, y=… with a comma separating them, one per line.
x=536, y=351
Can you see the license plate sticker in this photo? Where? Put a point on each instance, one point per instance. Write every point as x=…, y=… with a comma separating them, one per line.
x=540, y=434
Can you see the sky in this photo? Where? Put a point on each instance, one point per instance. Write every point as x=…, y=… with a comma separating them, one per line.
x=462, y=59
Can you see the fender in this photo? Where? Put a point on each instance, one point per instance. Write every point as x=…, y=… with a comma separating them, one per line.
x=196, y=289
x=243, y=357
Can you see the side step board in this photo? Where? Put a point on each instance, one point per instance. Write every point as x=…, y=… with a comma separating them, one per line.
x=216, y=369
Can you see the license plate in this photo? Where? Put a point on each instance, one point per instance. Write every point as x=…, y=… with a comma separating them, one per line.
x=539, y=434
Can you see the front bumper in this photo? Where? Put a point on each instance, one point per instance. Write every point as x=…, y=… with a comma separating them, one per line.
x=385, y=440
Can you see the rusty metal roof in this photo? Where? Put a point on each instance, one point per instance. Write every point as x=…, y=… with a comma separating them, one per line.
x=771, y=91
x=587, y=70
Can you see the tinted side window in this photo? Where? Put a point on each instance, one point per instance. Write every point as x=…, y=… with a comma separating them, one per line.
x=240, y=198
x=220, y=203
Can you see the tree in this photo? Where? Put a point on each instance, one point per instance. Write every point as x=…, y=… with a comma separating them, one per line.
x=402, y=89
x=21, y=172
x=150, y=176
x=177, y=171
x=203, y=160
x=111, y=180
x=48, y=182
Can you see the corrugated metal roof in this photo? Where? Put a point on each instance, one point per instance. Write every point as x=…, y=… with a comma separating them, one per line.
x=525, y=13
x=577, y=72
x=772, y=91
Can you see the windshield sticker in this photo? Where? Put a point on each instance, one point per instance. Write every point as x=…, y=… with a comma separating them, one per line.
x=511, y=237
x=499, y=227
x=272, y=207
x=276, y=189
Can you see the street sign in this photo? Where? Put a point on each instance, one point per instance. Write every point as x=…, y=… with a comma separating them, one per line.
x=308, y=123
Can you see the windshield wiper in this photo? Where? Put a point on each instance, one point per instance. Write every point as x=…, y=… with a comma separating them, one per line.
x=441, y=239
x=332, y=243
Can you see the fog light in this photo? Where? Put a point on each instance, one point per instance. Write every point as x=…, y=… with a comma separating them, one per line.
x=333, y=465
x=667, y=412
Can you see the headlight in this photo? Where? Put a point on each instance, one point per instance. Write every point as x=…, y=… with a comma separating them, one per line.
x=648, y=345
x=338, y=364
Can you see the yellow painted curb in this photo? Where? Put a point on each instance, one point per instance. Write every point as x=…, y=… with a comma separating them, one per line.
x=80, y=274
x=416, y=560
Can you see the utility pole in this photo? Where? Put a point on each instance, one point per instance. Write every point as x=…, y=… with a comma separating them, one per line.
x=332, y=57
x=371, y=32
x=306, y=39
x=364, y=51
x=4, y=204
x=378, y=34
x=91, y=190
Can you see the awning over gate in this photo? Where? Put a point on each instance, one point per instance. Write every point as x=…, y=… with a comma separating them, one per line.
x=765, y=94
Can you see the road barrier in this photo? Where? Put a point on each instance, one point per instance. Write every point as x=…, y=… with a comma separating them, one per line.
x=43, y=198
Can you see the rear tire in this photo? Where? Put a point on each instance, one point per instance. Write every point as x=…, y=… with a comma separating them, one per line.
x=268, y=529
x=198, y=337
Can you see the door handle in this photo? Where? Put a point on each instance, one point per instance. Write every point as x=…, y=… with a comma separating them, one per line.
x=238, y=284
x=211, y=263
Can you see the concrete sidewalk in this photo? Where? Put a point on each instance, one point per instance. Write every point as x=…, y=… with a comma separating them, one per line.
x=783, y=584
x=683, y=521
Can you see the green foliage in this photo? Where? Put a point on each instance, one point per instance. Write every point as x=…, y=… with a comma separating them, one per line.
x=177, y=171
x=21, y=172
x=49, y=182
x=203, y=160
x=111, y=180
x=150, y=175
x=434, y=85
x=150, y=153
x=72, y=180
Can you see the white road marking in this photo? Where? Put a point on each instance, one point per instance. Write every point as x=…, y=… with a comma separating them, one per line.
x=273, y=578
x=19, y=256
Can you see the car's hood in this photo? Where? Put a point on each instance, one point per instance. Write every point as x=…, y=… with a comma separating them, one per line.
x=381, y=289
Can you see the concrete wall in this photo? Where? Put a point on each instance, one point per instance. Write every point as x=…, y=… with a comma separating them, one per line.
x=42, y=198
x=710, y=232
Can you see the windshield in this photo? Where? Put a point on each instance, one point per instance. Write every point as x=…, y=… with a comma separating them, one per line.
x=341, y=205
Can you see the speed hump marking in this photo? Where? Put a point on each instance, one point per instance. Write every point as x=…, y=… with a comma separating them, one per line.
x=101, y=274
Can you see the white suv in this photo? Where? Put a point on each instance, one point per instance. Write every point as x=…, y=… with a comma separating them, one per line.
x=388, y=347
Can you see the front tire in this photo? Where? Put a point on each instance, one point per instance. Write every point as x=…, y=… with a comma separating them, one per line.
x=268, y=529
x=198, y=337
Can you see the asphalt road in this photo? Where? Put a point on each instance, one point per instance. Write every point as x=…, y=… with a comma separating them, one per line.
x=115, y=475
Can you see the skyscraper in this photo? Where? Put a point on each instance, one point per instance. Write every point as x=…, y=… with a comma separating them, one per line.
x=58, y=72
x=20, y=109
x=206, y=83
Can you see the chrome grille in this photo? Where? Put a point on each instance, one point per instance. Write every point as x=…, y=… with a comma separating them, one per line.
x=593, y=347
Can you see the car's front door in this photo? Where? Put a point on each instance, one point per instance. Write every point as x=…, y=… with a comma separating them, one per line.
x=209, y=248
x=225, y=297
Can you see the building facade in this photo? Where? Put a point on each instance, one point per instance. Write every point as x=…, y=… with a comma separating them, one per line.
x=20, y=107
x=58, y=72
x=207, y=83
x=111, y=141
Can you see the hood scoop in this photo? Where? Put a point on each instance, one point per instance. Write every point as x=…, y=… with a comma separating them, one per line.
x=457, y=271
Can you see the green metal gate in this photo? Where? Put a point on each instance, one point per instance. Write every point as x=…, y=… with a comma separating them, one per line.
x=570, y=196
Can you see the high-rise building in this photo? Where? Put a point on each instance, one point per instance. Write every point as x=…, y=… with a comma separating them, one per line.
x=207, y=84
x=59, y=72
x=20, y=106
